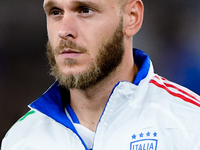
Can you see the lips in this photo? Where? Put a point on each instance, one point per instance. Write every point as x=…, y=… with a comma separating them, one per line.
x=69, y=53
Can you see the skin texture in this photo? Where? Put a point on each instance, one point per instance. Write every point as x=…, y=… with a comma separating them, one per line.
x=85, y=34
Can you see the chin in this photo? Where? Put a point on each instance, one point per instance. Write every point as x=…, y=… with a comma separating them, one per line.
x=71, y=71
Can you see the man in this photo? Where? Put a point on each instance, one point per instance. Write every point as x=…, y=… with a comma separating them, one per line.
x=106, y=95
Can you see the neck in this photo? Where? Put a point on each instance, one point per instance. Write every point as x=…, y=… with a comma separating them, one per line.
x=89, y=104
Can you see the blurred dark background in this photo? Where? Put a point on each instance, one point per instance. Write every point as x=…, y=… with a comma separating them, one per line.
x=170, y=35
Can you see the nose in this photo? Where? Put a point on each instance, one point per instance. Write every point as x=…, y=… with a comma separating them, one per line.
x=67, y=28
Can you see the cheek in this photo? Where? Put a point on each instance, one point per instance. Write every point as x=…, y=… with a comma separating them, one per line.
x=102, y=33
x=94, y=42
x=49, y=30
x=52, y=35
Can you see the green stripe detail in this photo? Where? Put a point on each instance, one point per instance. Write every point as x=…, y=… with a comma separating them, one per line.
x=27, y=114
x=21, y=119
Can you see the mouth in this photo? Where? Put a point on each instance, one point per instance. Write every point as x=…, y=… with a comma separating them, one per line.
x=70, y=53
x=68, y=50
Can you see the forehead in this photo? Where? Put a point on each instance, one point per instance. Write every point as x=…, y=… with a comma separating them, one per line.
x=48, y=3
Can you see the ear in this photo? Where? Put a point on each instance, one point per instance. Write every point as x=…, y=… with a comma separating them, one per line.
x=133, y=18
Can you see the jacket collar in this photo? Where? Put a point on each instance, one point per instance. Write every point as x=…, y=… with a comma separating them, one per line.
x=52, y=103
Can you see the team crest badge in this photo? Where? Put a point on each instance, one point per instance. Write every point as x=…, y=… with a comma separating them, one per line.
x=144, y=141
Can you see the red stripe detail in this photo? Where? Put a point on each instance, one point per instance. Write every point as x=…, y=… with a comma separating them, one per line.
x=158, y=77
x=180, y=90
x=174, y=94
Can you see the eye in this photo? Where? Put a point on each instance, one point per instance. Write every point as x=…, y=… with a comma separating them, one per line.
x=85, y=9
x=55, y=12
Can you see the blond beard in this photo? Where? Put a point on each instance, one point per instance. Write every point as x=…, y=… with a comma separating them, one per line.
x=110, y=55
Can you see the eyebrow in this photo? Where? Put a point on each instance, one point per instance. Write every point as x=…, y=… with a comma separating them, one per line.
x=84, y=3
x=48, y=5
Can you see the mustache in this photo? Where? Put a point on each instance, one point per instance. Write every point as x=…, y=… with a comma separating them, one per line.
x=69, y=44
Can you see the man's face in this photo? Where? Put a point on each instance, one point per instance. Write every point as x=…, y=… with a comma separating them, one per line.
x=85, y=40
